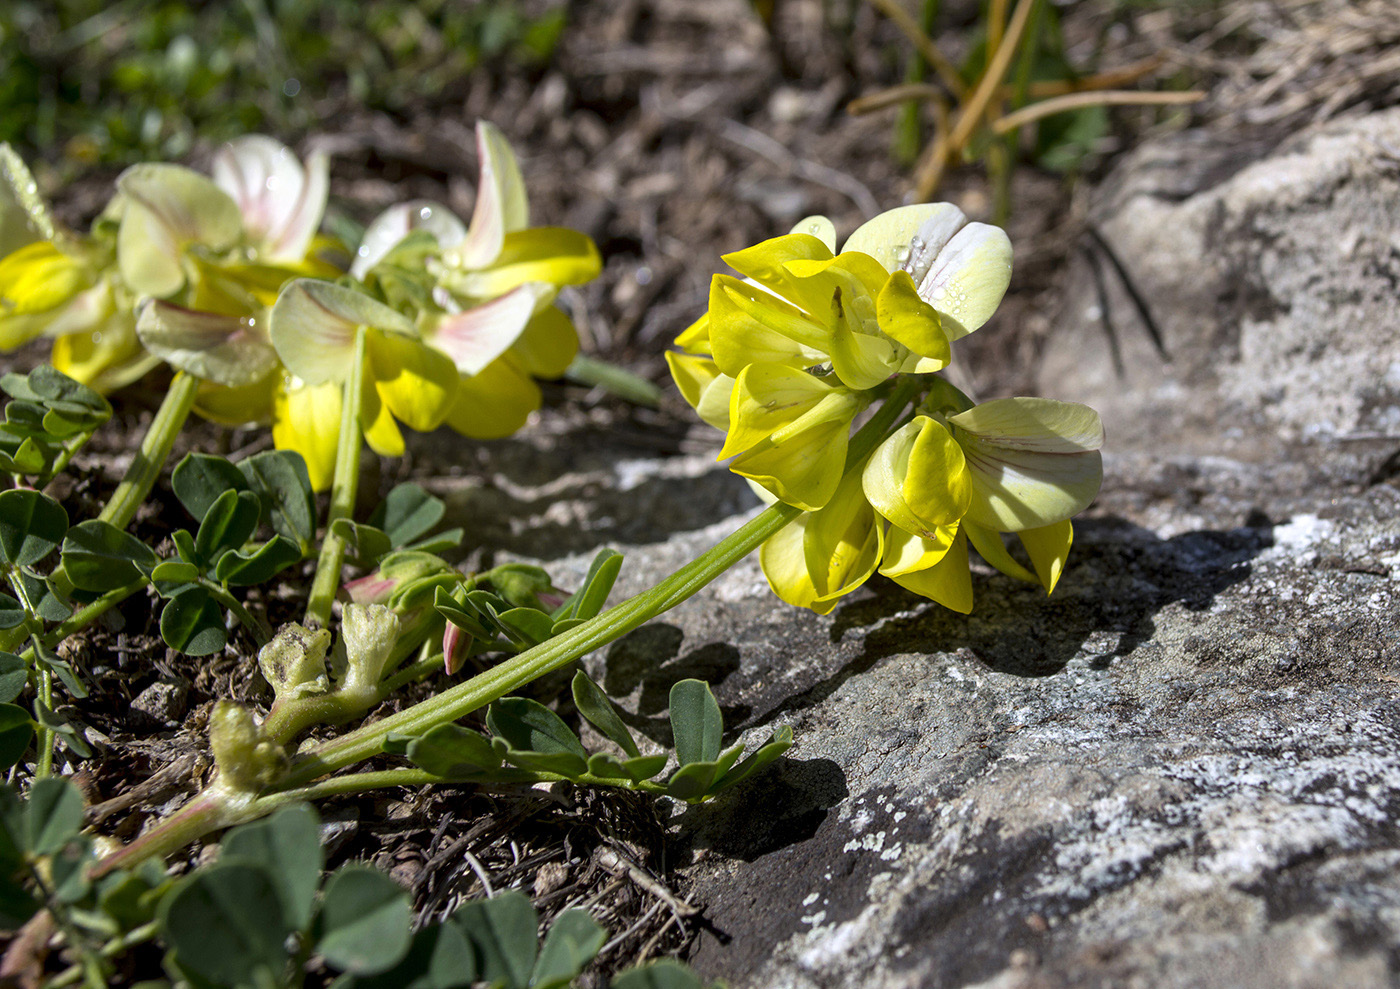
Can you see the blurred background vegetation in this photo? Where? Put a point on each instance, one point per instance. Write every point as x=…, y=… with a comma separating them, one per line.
x=112, y=83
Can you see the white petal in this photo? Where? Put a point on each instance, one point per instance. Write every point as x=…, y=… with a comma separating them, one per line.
x=313, y=324
x=909, y=237
x=968, y=278
x=227, y=350
x=397, y=222
x=281, y=204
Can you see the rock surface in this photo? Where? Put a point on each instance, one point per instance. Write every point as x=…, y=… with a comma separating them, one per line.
x=1183, y=769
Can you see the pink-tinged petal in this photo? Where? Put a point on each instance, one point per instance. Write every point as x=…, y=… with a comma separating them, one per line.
x=227, y=350
x=501, y=203
x=476, y=337
x=397, y=222
x=371, y=589
x=280, y=200
x=312, y=326
x=456, y=646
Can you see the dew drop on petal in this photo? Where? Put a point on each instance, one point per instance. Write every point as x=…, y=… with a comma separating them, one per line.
x=97, y=337
x=426, y=213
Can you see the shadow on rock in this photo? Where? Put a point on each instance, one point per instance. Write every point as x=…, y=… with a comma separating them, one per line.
x=1118, y=578
x=648, y=662
x=797, y=795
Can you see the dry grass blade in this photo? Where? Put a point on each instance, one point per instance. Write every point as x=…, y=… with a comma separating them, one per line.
x=1078, y=101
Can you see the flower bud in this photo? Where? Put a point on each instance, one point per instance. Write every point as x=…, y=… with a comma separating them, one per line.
x=525, y=586
x=294, y=662
x=369, y=633
x=245, y=760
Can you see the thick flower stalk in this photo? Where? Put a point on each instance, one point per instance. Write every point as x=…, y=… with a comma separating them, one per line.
x=788, y=357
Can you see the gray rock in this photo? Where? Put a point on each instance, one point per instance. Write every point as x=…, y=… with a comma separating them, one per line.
x=1183, y=769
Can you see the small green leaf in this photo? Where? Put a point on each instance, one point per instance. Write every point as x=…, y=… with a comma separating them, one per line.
x=645, y=767
x=439, y=542
x=174, y=571
x=505, y=933
x=287, y=846
x=16, y=729
x=607, y=767
x=564, y=764
x=97, y=556
x=448, y=608
x=528, y=726
x=61, y=668
x=452, y=751
x=200, y=479
x=239, y=569
x=695, y=721
x=525, y=627
x=184, y=546
x=29, y=459
x=14, y=674
x=225, y=923
x=11, y=613
x=772, y=749
x=589, y=599
x=130, y=898
x=282, y=484
x=365, y=542
x=365, y=921
x=691, y=782
x=31, y=526
x=406, y=513
x=69, y=732
x=439, y=958
x=228, y=524
x=594, y=705
x=53, y=817
x=572, y=942
x=17, y=904
x=193, y=623
x=55, y=389
x=663, y=974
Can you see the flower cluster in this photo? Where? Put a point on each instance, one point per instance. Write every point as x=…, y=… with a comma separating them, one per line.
x=789, y=356
x=227, y=279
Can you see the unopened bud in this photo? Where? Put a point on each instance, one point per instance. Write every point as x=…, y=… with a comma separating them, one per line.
x=369, y=633
x=294, y=662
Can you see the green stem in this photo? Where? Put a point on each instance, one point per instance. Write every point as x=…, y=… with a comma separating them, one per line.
x=612, y=624
x=72, y=446
x=249, y=621
x=344, y=488
x=155, y=448
x=77, y=621
x=45, y=684
x=219, y=808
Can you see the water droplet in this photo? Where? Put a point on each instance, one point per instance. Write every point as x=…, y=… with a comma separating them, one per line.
x=272, y=182
x=426, y=213
x=814, y=228
x=938, y=294
x=97, y=337
x=291, y=87
x=643, y=275
x=363, y=251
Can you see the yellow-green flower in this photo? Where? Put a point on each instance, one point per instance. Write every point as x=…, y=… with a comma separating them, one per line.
x=313, y=327
x=484, y=291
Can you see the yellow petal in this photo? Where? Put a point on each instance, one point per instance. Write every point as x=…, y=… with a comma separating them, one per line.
x=549, y=344
x=948, y=581
x=764, y=262
x=837, y=294
x=168, y=208
x=913, y=322
x=552, y=255
x=784, y=563
x=501, y=202
x=802, y=463
x=696, y=377
x=105, y=358
x=906, y=553
x=495, y=403
x=842, y=544
x=696, y=337
x=415, y=382
x=306, y=418
x=38, y=278
x=767, y=397
x=917, y=478
x=377, y=423
x=749, y=325
x=1048, y=547
x=251, y=404
x=990, y=547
